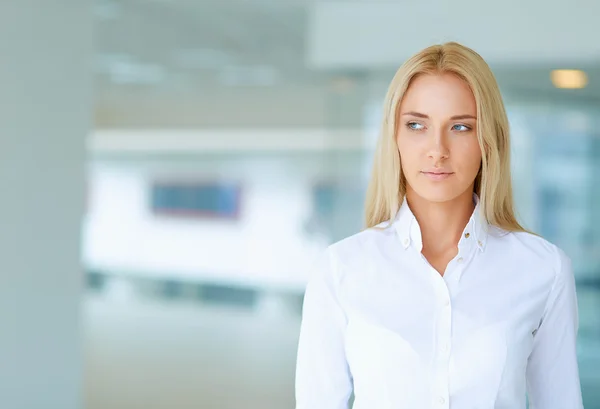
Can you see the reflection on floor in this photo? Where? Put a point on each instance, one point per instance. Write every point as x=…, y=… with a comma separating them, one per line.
x=161, y=354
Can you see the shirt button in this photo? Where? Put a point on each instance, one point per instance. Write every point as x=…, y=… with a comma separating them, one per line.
x=447, y=303
x=441, y=400
x=467, y=235
x=406, y=242
x=460, y=260
x=480, y=243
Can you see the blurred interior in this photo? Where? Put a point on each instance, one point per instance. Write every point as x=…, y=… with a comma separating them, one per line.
x=232, y=142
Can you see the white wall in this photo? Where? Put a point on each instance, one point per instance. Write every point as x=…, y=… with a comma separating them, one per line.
x=267, y=246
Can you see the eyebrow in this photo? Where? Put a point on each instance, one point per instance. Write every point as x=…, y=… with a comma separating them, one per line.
x=454, y=118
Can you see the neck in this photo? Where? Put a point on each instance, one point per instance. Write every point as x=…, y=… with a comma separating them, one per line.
x=441, y=223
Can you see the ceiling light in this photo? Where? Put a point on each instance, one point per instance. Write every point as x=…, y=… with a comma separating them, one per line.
x=259, y=75
x=569, y=78
x=202, y=58
x=126, y=69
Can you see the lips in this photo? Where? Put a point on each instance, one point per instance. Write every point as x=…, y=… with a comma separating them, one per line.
x=437, y=175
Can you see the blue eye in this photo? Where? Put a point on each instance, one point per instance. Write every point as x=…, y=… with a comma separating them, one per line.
x=461, y=128
x=415, y=126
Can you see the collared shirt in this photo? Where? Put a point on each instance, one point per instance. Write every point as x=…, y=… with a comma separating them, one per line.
x=380, y=323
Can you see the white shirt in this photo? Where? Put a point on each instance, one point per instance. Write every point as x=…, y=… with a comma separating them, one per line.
x=380, y=322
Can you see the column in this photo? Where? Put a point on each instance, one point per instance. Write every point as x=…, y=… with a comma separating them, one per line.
x=45, y=116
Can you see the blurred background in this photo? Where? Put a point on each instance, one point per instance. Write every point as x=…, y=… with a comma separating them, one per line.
x=224, y=144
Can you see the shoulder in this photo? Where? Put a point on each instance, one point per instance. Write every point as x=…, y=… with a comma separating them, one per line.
x=534, y=245
x=361, y=244
x=534, y=251
x=330, y=266
x=355, y=253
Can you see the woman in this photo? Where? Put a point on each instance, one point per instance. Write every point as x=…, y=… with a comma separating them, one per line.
x=444, y=301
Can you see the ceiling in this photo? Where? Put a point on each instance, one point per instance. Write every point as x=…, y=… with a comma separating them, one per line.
x=164, y=63
x=208, y=42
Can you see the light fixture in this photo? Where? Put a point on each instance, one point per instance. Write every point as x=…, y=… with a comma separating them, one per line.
x=249, y=75
x=202, y=58
x=571, y=79
x=127, y=69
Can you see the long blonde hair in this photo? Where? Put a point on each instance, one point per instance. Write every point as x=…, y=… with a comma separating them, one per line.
x=493, y=185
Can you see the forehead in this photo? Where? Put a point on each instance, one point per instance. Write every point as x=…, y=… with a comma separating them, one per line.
x=444, y=95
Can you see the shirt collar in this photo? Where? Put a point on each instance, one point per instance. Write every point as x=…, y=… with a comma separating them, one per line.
x=409, y=231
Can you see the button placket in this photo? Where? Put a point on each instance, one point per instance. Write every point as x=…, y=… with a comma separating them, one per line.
x=445, y=330
x=440, y=382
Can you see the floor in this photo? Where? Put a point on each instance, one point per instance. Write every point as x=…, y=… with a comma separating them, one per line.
x=176, y=352
x=144, y=354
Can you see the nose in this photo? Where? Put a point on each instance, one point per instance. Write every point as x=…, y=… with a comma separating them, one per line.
x=438, y=148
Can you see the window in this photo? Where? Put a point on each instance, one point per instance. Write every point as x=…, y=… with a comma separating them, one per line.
x=191, y=199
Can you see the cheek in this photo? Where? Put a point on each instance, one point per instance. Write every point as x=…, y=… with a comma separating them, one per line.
x=470, y=153
x=409, y=154
x=410, y=147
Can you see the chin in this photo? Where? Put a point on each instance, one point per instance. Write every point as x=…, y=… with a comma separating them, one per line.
x=438, y=194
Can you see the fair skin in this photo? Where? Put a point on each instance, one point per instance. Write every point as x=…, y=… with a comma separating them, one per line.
x=441, y=156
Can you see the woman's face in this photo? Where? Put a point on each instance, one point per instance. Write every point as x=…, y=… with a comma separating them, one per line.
x=437, y=138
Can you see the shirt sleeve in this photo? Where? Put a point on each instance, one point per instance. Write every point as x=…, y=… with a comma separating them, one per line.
x=323, y=379
x=552, y=370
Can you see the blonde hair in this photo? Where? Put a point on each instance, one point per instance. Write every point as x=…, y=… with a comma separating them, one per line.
x=493, y=185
